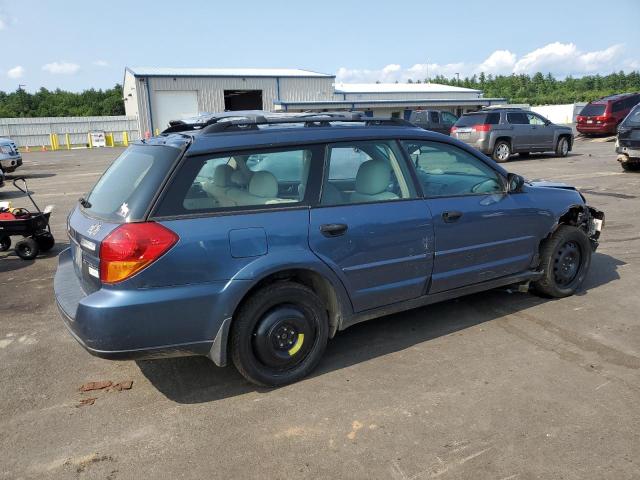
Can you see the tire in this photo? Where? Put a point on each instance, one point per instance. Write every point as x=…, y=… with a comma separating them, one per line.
x=45, y=241
x=562, y=147
x=279, y=334
x=630, y=167
x=5, y=243
x=565, y=258
x=27, y=249
x=501, y=151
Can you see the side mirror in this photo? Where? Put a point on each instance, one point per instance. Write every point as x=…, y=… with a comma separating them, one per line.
x=514, y=182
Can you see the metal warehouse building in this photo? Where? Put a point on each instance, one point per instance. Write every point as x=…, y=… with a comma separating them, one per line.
x=158, y=95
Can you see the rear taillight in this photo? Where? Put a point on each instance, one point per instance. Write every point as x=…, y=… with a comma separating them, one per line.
x=453, y=129
x=132, y=247
x=580, y=118
x=482, y=128
x=603, y=118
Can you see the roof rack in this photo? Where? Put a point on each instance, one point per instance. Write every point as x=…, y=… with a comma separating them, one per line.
x=242, y=121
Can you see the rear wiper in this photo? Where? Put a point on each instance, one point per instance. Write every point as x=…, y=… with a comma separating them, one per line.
x=84, y=202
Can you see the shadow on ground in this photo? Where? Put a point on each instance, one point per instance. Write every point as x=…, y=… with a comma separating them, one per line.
x=198, y=380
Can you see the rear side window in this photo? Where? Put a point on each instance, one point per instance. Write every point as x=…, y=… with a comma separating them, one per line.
x=472, y=119
x=367, y=171
x=126, y=189
x=237, y=181
x=619, y=106
x=435, y=118
x=517, y=118
x=593, y=109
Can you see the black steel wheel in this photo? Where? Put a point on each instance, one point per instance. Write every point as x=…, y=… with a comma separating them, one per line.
x=5, y=243
x=45, y=241
x=565, y=258
x=279, y=334
x=27, y=249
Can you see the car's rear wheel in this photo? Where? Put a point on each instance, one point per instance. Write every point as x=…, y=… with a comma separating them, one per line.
x=279, y=334
x=501, y=151
x=565, y=258
x=5, y=243
x=562, y=147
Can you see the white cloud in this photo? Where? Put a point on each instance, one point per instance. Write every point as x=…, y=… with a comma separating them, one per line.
x=561, y=59
x=16, y=72
x=499, y=62
x=62, y=68
x=101, y=63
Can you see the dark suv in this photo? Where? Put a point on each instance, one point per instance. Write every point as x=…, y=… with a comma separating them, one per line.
x=258, y=238
x=604, y=115
x=435, y=120
x=628, y=141
x=501, y=132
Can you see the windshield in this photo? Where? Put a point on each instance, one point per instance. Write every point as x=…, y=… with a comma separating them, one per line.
x=125, y=190
x=593, y=109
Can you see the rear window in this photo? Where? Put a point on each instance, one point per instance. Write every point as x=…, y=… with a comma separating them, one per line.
x=125, y=190
x=470, y=120
x=593, y=109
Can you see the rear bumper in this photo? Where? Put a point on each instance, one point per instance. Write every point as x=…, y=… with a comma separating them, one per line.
x=142, y=323
x=601, y=129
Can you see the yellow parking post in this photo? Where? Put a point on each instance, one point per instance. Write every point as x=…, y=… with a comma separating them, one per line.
x=125, y=138
x=157, y=132
x=57, y=140
x=67, y=139
x=52, y=141
x=90, y=142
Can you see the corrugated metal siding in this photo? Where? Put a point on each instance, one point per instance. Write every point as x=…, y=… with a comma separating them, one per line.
x=211, y=91
x=35, y=131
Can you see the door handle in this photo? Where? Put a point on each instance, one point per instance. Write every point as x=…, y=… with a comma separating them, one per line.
x=333, y=229
x=451, y=216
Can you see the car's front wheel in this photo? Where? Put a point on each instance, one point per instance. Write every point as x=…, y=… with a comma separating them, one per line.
x=501, y=151
x=565, y=258
x=279, y=334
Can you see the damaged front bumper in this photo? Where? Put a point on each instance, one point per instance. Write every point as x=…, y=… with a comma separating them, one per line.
x=593, y=223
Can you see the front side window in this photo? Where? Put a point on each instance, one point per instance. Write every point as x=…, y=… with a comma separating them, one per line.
x=535, y=119
x=239, y=180
x=368, y=171
x=445, y=170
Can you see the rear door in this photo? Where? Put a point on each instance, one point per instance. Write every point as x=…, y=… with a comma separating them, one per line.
x=481, y=232
x=371, y=227
x=521, y=133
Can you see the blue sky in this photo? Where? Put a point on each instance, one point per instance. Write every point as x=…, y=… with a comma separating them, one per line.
x=81, y=44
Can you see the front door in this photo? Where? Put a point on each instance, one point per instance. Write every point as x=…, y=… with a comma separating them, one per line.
x=542, y=132
x=371, y=227
x=481, y=232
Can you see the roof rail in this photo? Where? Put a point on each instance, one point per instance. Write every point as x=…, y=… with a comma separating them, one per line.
x=241, y=121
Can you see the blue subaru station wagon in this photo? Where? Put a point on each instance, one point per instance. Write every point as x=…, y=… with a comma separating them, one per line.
x=256, y=237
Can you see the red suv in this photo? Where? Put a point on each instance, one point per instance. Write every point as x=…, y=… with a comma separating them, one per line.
x=603, y=116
